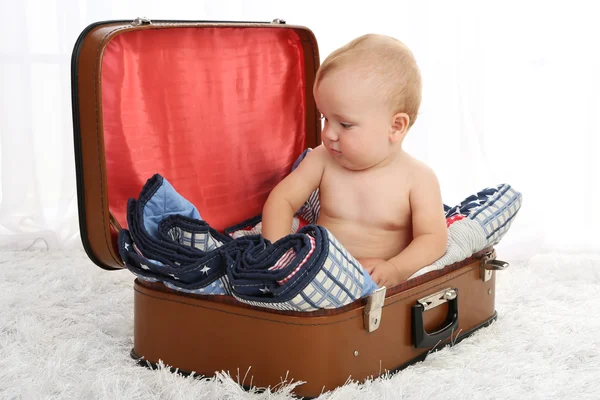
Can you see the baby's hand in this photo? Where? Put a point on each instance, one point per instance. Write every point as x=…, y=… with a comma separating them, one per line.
x=386, y=274
x=383, y=272
x=370, y=263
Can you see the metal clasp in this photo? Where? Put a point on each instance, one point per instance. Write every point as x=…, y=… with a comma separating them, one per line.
x=437, y=299
x=489, y=264
x=373, y=309
x=278, y=21
x=141, y=21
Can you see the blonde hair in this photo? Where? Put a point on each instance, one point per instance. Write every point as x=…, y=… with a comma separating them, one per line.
x=388, y=62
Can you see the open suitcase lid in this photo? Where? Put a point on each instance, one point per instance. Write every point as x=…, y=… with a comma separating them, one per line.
x=220, y=109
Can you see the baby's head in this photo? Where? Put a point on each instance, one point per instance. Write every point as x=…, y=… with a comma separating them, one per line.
x=369, y=92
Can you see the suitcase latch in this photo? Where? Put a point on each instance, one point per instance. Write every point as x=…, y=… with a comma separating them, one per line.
x=489, y=264
x=373, y=309
x=437, y=299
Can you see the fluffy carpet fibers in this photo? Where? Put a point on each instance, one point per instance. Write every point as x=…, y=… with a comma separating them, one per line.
x=66, y=331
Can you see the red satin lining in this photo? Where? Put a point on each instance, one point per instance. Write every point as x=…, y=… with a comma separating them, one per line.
x=219, y=112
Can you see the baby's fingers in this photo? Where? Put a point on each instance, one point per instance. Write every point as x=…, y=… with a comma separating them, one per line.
x=377, y=278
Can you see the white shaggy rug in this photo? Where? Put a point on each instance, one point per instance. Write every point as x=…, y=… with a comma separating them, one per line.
x=66, y=332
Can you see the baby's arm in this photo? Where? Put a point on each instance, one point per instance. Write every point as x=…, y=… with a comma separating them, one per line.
x=290, y=194
x=430, y=233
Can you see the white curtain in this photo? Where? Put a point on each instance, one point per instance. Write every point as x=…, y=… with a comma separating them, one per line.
x=511, y=94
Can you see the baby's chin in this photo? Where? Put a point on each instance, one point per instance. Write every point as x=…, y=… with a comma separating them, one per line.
x=352, y=165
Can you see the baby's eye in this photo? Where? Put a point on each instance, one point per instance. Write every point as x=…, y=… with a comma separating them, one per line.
x=345, y=125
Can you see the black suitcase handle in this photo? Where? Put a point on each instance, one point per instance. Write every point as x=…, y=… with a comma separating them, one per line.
x=423, y=339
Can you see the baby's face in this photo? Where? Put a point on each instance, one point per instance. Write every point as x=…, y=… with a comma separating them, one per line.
x=357, y=121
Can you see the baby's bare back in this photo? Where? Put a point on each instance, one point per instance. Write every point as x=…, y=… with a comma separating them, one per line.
x=367, y=211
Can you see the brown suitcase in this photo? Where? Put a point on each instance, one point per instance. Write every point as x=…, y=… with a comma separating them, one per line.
x=199, y=102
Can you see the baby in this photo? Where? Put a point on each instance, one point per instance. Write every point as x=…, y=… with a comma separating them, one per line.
x=383, y=205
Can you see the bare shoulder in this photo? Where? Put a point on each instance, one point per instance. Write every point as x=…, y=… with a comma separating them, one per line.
x=318, y=154
x=419, y=173
x=313, y=162
x=424, y=186
x=316, y=160
x=426, y=202
x=297, y=186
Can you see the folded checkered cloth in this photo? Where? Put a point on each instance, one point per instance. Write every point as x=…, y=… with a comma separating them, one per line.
x=311, y=259
x=305, y=271
x=478, y=222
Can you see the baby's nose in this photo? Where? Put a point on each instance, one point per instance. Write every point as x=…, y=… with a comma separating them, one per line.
x=330, y=134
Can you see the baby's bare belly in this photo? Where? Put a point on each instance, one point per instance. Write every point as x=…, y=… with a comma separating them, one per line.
x=366, y=241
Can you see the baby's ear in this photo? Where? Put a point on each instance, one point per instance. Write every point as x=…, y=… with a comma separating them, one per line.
x=399, y=126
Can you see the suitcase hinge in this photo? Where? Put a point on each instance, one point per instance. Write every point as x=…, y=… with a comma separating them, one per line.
x=141, y=21
x=278, y=21
x=489, y=264
x=373, y=309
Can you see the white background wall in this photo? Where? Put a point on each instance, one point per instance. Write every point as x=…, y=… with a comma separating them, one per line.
x=511, y=94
